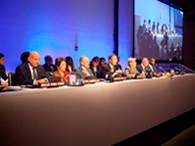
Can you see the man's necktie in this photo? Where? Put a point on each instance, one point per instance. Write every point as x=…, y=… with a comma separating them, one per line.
x=87, y=73
x=112, y=69
x=34, y=74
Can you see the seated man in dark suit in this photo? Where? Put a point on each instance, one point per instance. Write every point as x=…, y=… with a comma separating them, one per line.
x=152, y=65
x=144, y=68
x=49, y=66
x=31, y=73
x=84, y=72
x=3, y=76
x=2, y=73
x=110, y=68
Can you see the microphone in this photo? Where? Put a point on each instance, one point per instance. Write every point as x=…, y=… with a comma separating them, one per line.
x=164, y=71
x=180, y=71
x=177, y=70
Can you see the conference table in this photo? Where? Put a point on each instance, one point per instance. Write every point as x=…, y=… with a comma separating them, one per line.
x=95, y=114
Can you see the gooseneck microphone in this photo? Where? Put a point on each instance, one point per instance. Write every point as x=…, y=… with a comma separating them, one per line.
x=164, y=71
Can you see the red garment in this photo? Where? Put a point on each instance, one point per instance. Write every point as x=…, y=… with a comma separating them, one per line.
x=100, y=66
x=66, y=75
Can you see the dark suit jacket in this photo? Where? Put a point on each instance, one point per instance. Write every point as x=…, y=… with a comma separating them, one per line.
x=97, y=73
x=48, y=68
x=154, y=68
x=118, y=66
x=24, y=77
x=106, y=70
x=92, y=69
x=80, y=73
x=2, y=72
x=140, y=68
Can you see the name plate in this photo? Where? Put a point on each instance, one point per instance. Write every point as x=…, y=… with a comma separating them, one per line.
x=119, y=78
x=51, y=84
x=91, y=81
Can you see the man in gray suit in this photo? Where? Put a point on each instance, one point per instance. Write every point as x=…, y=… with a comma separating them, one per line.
x=84, y=72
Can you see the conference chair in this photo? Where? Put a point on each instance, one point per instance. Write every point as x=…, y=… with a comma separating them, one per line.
x=12, y=79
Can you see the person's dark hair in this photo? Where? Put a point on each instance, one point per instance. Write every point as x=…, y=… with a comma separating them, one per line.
x=59, y=60
x=24, y=57
x=69, y=61
x=96, y=59
x=111, y=56
x=1, y=55
x=46, y=57
x=102, y=58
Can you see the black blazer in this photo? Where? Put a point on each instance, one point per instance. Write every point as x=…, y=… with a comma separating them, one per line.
x=107, y=70
x=80, y=73
x=118, y=66
x=97, y=73
x=140, y=68
x=23, y=75
x=48, y=68
x=92, y=69
x=2, y=72
x=155, y=69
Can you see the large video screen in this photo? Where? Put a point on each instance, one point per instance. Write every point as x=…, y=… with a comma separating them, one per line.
x=158, y=31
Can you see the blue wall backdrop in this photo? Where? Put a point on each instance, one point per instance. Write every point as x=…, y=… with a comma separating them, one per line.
x=125, y=31
x=51, y=27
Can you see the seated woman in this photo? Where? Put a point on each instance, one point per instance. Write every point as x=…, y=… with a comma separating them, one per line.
x=69, y=64
x=61, y=69
x=102, y=62
x=131, y=70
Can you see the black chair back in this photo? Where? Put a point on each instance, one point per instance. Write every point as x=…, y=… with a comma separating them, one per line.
x=12, y=79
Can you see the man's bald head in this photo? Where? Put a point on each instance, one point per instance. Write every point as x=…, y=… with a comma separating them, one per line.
x=34, y=58
x=84, y=61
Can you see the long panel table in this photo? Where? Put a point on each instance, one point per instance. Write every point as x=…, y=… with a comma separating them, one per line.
x=95, y=114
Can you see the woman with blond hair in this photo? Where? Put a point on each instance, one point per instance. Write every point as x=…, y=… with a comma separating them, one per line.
x=131, y=70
